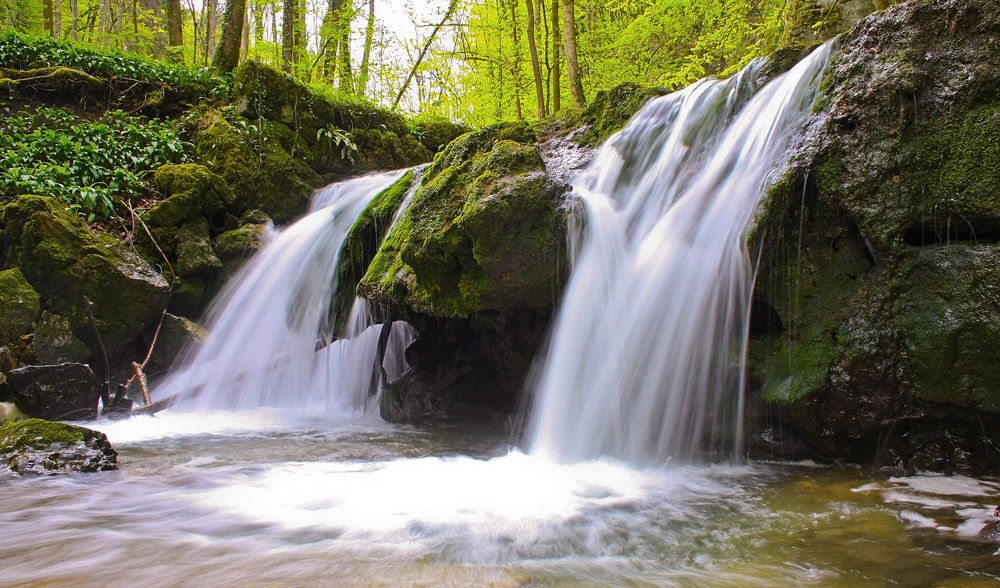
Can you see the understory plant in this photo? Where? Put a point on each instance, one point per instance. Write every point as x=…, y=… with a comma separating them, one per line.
x=84, y=163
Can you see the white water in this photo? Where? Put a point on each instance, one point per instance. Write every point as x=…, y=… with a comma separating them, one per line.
x=267, y=324
x=645, y=362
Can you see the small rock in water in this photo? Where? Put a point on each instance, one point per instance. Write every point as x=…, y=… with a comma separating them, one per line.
x=39, y=447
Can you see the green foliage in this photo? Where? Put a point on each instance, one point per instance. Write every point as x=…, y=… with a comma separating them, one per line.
x=26, y=51
x=340, y=140
x=84, y=163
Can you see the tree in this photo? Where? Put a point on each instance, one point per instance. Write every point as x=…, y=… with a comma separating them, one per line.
x=556, y=42
x=227, y=56
x=423, y=52
x=366, y=57
x=287, y=35
x=175, y=31
x=535, y=68
x=572, y=66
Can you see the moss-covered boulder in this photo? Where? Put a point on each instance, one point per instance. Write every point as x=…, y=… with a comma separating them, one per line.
x=191, y=190
x=877, y=298
x=39, y=447
x=65, y=261
x=195, y=254
x=484, y=232
x=255, y=162
x=176, y=334
x=262, y=91
x=435, y=132
x=20, y=305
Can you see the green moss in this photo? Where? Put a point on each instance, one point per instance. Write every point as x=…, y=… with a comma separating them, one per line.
x=483, y=231
x=65, y=261
x=254, y=162
x=195, y=255
x=191, y=190
x=610, y=110
x=36, y=434
x=240, y=243
x=62, y=80
x=436, y=132
x=20, y=305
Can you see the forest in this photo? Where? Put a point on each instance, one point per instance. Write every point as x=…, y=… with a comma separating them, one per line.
x=474, y=62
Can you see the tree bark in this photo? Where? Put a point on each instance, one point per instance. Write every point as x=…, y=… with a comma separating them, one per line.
x=227, y=56
x=556, y=73
x=211, y=16
x=57, y=18
x=516, y=67
x=287, y=35
x=175, y=31
x=47, y=15
x=74, y=9
x=535, y=68
x=369, y=35
x=344, y=72
x=572, y=66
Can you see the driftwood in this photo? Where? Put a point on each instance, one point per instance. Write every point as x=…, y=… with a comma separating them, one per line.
x=378, y=374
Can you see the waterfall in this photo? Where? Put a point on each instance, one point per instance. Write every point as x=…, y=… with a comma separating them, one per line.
x=270, y=326
x=645, y=362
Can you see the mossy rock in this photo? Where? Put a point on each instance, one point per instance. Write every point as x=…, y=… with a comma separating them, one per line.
x=484, y=232
x=176, y=335
x=55, y=341
x=188, y=297
x=879, y=247
x=241, y=243
x=64, y=261
x=262, y=173
x=191, y=190
x=195, y=255
x=435, y=132
x=363, y=242
x=262, y=91
x=610, y=110
x=20, y=305
x=39, y=447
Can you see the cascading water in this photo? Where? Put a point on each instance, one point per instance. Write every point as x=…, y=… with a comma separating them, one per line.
x=645, y=361
x=270, y=325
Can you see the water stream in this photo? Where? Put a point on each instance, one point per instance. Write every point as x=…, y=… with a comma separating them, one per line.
x=277, y=472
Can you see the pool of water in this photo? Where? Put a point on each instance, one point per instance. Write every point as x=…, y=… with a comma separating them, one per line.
x=266, y=499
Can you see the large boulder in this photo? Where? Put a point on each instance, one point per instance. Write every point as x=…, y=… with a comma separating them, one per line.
x=877, y=320
x=39, y=447
x=474, y=265
x=67, y=391
x=65, y=261
x=484, y=232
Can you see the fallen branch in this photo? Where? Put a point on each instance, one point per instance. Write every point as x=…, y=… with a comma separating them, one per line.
x=106, y=385
x=136, y=217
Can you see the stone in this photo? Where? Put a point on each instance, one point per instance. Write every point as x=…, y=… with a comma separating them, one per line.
x=55, y=341
x=39, y=447
x=67, y=391
x=20, y=305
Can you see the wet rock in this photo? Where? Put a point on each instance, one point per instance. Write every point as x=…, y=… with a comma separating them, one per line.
x=195, y=254
x=64, y=260
x=39, y=447
x=879, y=248
x=176, y=334
x=67, y=391
x=19, y=305
x=484, y=232
x=55, y=341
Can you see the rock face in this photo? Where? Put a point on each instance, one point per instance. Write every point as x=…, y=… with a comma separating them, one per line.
x=474, y=264
x=64, y=261
x=877, y=324
x=38, y=447
x=68, y=391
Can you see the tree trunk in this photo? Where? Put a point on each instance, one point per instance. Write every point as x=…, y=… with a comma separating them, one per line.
x=331, y=34
x=556, y=73
x=175, y=31
x=57, y=18
x=258, y=24
x=245, y=39
x=47, y=15
x=535, y=68
x=211, y=16
x=346, y=84
x=227, y=56
x=516, y=68
x=287, y=35
x=74, y=9
x=369, y=35
x=572, y=67
x=194, y=26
